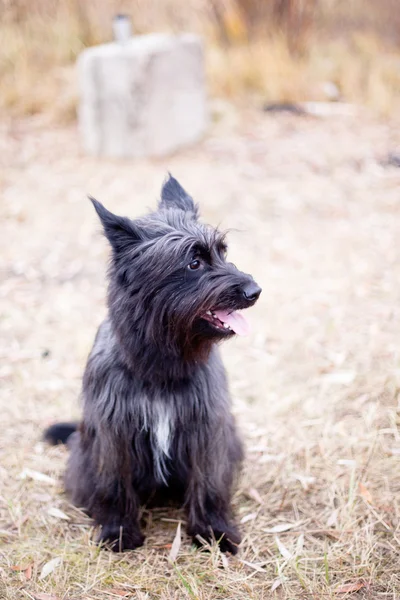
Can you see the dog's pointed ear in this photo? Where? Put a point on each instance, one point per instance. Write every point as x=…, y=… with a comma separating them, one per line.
x=121, y=232
x=174, y=196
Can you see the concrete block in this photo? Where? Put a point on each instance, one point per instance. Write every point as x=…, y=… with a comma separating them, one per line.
x=145, y=97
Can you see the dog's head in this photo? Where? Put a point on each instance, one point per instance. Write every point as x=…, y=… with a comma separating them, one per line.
x=170, y=281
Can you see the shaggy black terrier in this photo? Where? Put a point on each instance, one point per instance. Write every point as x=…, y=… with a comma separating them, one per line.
x=157, y=422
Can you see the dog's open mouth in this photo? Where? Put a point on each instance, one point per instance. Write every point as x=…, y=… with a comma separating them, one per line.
x=226, y=321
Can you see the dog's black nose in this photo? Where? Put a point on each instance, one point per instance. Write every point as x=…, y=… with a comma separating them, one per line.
x=251, y=291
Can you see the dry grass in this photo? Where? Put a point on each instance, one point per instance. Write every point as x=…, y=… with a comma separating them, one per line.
x=361, y=70
x=39, y=46
x=316, y=386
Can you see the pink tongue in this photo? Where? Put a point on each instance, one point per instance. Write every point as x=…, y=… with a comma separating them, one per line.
x=235, y=320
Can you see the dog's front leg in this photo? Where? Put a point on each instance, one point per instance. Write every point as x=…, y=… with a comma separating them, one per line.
x=104, y=488
x=118, y=515
x=209, y=516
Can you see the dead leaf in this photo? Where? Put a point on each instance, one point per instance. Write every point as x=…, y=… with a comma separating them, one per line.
x=19, y=567
x=333, y=518
x=340, y=377
x=281, y=527
x=268, y=458
x=41, y=596
x=118, y=592
x=253, y=493
x=249, y=517
x=347, y=462
x=57, y=513
x=365, y=493
x=257, y=448
x=282, y=549
x=252, y=566
x=27, y=569
x=37, y=476
x=224, y=560
x=41, y=497
x=276, y=584
x=176, y=544
x=50, y=566
x=28, y=572
x=350, y=588
x=305, y=480
x=300, y=544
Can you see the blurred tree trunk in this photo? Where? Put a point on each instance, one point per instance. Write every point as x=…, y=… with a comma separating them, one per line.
x=218, y=15
x=295, y=19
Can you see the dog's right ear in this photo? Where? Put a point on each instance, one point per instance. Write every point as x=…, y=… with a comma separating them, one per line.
x=174, y=196
x=121, y=232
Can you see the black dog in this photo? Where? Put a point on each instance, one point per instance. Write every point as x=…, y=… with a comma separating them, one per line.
x=156, y=419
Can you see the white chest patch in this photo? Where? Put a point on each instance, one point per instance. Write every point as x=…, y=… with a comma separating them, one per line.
x=159, y=422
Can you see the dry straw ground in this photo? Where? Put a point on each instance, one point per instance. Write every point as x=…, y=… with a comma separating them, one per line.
x=316, y=218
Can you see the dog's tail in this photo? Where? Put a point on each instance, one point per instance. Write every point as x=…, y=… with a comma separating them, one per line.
x=59, y=433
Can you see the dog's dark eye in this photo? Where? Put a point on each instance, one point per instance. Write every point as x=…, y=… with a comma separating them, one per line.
x=194, y=265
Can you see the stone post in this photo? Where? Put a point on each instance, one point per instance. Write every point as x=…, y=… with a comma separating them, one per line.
x=144, y=97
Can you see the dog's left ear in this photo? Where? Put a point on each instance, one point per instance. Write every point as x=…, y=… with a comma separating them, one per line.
x=121, y=232
x=174, y=196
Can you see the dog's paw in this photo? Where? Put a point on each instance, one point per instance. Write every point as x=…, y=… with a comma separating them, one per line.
x=116, y=540
x=228, y=540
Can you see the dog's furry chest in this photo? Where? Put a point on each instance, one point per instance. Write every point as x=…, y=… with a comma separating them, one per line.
x=159, y=421
x=168, y=423
x=168, y=420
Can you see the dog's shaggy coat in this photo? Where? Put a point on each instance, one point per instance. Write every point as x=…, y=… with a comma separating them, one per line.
x=157, y=421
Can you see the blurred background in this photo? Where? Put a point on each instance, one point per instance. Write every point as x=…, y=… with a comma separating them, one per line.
x=268, y=50
x=300, y=162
